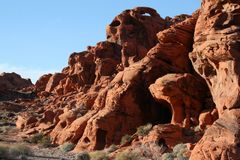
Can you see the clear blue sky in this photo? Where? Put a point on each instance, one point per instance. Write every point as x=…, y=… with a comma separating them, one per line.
x=37, y=36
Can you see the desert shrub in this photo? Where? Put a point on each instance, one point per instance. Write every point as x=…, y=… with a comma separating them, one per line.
x=3, y=151
x=125, y=139
x=179, y=153
x=167, y=156
x=179, y=150
x=19, y=150
x=36, y=138
x=98, y=155
x=66, y=147
x=111, y=148
x=82, y=156
x=45, y=141
x=144, y=130
x=127, y=155
x=197, y=129
x=5, y=129
x=14, y=152
x=41, y=139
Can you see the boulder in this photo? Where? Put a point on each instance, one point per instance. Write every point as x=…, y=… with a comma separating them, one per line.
x=221, y=140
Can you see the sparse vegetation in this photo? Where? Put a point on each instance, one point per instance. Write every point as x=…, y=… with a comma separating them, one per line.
x=167, y=156
x=36, y=138
x=179, y=153
x=18, y=150
x=111, y=148
x=144, y=130
x=5, y=129
x=66, y=147
x=98, y=155
x=46, y=141
x=14, y=152
x=3, y=151
x=41, y=139
x=125, y=139
x=127, y=155
x=82, y=156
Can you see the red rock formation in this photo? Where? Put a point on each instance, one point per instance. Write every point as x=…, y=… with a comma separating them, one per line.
x=42, y=82
x=183, y=92
x=141, y=74
x=221, y=140
x=135, y=30
x=128, y=103
x=13, y=81
x=215, y=57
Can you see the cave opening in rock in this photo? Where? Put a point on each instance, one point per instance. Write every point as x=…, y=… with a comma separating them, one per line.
x=101, y=139
x=160, y=112
x=154, y=112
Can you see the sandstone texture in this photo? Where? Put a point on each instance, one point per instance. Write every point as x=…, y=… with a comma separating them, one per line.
x=13, y=81
x=215, y=57
x=11, y=84
x=180, y=74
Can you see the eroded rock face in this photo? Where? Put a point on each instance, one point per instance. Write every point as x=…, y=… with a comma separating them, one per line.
x=104, y=92
x=216, y=58
x=135, y=30
x=13, y=81
x=128, y=102
x=42, y=82
x=216, y=45
x=184, y=93
x=221, y=140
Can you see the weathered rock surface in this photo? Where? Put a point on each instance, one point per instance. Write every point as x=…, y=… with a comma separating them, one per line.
x=104, y=93
x=142, y=74
x=216, y=45
x=215, y=57
x=128, y=102
x=13, y=81
x=135, y=30
x=11, y=84
x=184, y=93
x=221, y=140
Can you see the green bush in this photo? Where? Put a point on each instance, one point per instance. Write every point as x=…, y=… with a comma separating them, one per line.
x=98, y=155
x=45, y=141
x=18, y=150
x=66, y=147
x=179, y=153
x=179, y=150
x=126, y=155
x=111, y=148
x=41, y=139
x=14, y=152
x=5, y=129
x=3, y=151
x=125, y=139
x=144, y=130
x=167, y=156
x=36, y=138
x=82, y=156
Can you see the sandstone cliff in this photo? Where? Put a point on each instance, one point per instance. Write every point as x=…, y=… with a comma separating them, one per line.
x=175, y=73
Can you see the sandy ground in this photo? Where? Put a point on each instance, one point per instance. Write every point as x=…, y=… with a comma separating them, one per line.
x=12, y=136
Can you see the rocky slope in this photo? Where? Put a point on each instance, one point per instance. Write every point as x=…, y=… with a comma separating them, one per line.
x=15, y=92
x=176, y=73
